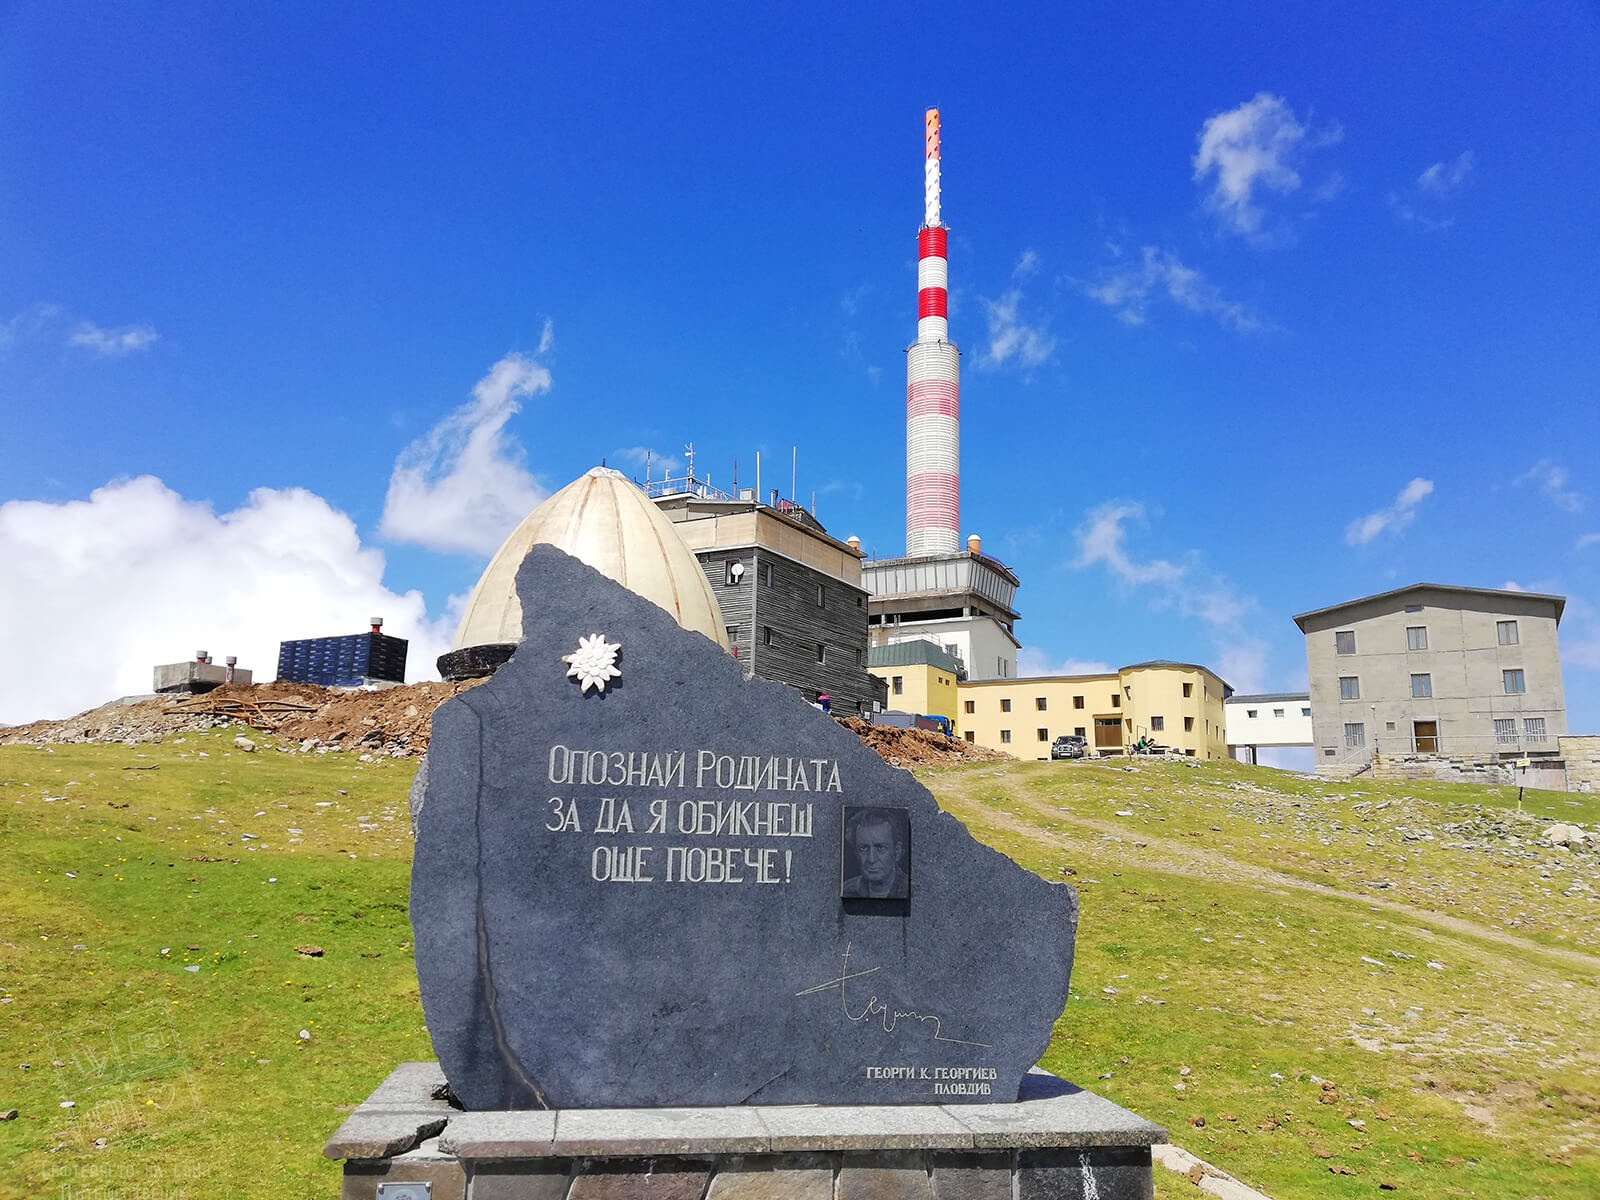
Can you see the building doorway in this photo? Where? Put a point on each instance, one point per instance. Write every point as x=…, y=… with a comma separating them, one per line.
x=1426, y=736
x=1108, y=733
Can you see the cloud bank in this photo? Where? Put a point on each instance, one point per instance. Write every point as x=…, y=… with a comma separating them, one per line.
x=1010, y=338
x=463, y=487
x=1392, y=519
x=97, y=592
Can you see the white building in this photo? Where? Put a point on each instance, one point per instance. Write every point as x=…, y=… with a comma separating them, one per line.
x=1269, y=721
x=961, y=602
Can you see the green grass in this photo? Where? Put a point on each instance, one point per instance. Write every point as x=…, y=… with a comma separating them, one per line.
x=1236, y=942
x=1236, y=955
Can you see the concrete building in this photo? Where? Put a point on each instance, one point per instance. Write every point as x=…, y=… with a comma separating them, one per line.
x=1178, y=705
x=962, y=602
x=198, y=676
x=1435, y=670
x=1267, y=722
x=793, y=606
x=356, y=660
x=919, y=677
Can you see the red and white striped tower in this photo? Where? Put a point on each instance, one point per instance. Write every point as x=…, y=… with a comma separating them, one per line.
x=933, y=385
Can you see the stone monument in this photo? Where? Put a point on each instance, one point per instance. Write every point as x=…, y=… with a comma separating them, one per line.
x=644, y=883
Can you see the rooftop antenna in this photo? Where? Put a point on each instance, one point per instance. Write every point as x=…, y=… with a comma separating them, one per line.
x=688, y=451
x=794, y=470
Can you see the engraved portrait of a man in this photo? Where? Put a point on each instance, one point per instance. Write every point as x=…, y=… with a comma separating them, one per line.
x=876, y=855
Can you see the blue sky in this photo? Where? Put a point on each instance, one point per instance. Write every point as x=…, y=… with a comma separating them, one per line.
x=1262, y=307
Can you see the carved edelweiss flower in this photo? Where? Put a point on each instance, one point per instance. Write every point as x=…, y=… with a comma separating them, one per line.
x=593, y=662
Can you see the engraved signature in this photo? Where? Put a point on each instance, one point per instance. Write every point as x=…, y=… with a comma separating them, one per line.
x=888, y=1018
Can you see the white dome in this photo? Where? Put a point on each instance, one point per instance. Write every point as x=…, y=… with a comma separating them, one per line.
x=604, y=520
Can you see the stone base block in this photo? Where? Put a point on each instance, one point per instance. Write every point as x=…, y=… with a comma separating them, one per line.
x=1057, y=1142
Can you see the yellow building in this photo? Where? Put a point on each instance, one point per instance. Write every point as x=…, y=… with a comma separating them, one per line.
x=922, y=678
x=1177, y=705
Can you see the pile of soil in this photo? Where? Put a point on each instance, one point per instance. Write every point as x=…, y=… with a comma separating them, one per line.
x=916, y=747
x=391, y=721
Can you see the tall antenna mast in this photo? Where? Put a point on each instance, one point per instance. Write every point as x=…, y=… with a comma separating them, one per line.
x=933, y=380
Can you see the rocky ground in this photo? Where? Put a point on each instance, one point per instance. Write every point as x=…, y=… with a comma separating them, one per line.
x=390, y=722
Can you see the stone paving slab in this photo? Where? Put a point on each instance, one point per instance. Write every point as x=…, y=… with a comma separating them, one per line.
x=1072, y=1118
x=381, y=1135
x=861, y=1127
x=499, y=1135
x=659, y=1131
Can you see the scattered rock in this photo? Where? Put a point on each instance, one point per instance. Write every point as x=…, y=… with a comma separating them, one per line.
x=309, y=951
x=243, y=743
x=10, y=1114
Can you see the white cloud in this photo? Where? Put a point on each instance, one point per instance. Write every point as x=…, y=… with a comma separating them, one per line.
x=1032, y=662
x=547, y=337
x=1445, y=179
x=1587, y=540
x=1192, y=590
x=1010, y=338
x=112, y=343
x=1100, y=540
x=462, y=488
x=45, y=323
x=850, y=302
x=1251, y=150
x=1392, y=519
x=1027, y=265
x=97, y=592
x=1129, y=287
x=1551, y=479
x=1423, y=206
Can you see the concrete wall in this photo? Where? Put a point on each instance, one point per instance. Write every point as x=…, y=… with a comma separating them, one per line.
x=1463, y=661
x=1185, y=701
x=1582, y=756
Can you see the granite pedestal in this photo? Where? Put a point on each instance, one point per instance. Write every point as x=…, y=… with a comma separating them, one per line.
x=1056, y=1142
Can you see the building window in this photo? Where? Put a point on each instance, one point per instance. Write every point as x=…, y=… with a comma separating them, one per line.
x=1421, y=687
x=732, y=572
x=1305, y=712
x=1116, y=700
x=969, y=735
x=766, y=635
x=1188, y=724
x=1389, y=725
x=733, y=634
x=1044, y=735
x=1077, y=702
x=1355, y=734
x=897, y=684
x=1080, y=732
x=1277, y=712
x=1506, y=631
x=858, y=656
x=1329, y=752
x=1005, y=737
x=1349, y=687
x=1188, y=690
x=1515, y=684
x=1344, y=642
x=858, y=601
x=1505, y=730
x=1533, y=729
x=767, y=575
x=1413, y=608
x=821, y=595
x=972, y=706
x=1251, y=713
x=1038, y=703
x=822, y=652
x=1416, y=637
x=1158, y=724
x=1005, y=706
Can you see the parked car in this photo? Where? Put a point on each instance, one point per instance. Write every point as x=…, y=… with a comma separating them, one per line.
x=1069, y=746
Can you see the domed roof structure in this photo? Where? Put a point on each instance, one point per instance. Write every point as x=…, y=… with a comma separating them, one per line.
x=606, y=521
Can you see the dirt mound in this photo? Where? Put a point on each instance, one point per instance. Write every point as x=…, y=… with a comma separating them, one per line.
x=391, y=721
x=916, y=747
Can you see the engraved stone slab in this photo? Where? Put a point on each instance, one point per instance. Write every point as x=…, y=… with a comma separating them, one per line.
x=630, y=895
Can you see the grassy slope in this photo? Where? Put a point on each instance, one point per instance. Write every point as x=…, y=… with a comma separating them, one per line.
x=1236, y=955
x=1227, y=929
